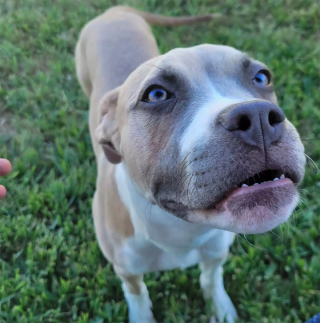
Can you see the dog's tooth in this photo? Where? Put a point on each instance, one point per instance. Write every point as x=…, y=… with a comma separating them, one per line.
x=264, y=182
x=256, y=184
x=244, y=185
x=282, y=176
x=276, y=179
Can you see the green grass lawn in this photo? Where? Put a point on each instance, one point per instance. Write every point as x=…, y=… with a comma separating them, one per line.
x=51, y=269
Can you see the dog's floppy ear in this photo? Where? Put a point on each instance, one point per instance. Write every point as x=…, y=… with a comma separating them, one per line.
x=107, y=132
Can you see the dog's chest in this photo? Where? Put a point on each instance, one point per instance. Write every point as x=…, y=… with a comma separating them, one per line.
x=139, y=256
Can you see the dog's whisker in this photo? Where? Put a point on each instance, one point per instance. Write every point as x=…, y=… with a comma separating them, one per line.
x=239, y=236
x=252, y=245
x=312, y=163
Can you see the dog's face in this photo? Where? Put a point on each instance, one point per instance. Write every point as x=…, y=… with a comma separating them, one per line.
x=201, y=134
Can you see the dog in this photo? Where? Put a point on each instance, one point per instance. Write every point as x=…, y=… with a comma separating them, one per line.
x=191, y=149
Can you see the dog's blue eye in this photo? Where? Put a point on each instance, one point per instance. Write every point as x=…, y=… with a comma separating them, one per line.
x=157, y=95
x=262, y=78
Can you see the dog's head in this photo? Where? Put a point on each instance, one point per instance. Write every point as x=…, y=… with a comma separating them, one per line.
x=201, y=134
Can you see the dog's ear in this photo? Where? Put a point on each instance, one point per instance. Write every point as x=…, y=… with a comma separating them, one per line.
x=107, y=132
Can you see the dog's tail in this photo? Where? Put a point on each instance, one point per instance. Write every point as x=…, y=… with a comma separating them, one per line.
x=159, y=20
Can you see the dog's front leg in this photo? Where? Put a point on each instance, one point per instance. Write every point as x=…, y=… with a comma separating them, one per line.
x=137, y=297
x=211, y=281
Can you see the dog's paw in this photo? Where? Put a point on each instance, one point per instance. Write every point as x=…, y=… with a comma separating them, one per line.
x=224, y=309
x=140, y=315
x=142, y=318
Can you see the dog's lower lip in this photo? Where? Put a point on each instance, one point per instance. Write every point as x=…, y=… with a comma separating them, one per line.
x=217, y=205
x=246, y=189
x=254, y=188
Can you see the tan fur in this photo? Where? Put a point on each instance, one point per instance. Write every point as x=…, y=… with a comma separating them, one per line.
x=133, y=281
x=111, y=218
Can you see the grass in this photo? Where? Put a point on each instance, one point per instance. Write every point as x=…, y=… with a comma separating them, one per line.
x=51, y=269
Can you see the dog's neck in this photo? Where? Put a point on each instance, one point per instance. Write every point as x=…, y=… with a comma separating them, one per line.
x=167, y=231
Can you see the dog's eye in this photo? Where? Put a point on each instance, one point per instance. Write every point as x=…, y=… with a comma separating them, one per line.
x=155, y=94
x=262, y=78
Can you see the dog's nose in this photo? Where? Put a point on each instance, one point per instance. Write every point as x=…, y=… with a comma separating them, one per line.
x=257, y=123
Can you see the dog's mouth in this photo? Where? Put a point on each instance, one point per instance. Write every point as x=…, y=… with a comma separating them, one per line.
x=251, y=190
x=269, y=175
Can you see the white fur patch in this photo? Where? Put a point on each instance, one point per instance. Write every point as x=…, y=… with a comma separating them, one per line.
x=200, y=125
